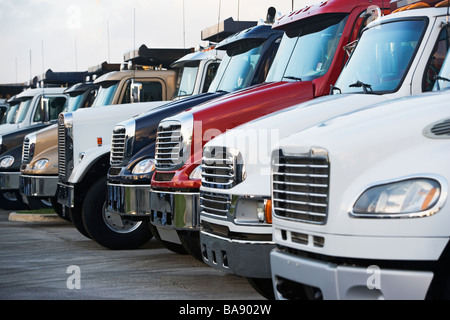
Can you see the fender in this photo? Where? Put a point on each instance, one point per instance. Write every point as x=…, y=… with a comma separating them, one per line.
x=91, y=157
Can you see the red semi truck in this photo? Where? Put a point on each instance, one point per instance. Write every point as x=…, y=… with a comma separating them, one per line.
x=309, y=60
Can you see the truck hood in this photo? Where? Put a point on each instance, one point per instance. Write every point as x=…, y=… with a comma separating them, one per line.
x=8, y=127
x=147, y=124
x=385, y=144
x=93, y=123
x=216, y=117
x=254, y=140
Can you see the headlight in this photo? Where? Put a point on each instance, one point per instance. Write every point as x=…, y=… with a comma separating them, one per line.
x=408, y=197
x=196, y=174
x=6, y=162
x=144, y=166
x=41, y=164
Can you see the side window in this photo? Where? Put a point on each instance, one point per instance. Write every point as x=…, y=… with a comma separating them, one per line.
x=151, y=91
x=209, y=77
x=56, y=105
x=90, y=98
x=436, y=61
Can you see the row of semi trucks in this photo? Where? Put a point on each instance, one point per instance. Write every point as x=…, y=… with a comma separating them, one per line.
x=303, y=155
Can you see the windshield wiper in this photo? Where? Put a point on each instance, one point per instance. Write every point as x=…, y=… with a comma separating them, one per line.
x=367, y=88
x=292, y=78
x=438, y=77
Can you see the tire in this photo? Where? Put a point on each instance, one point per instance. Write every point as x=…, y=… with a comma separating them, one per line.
x=263, y=286
x=77, y=220
x=12, y=200
x=174, y=247
x=100, y=227
x=191, y=243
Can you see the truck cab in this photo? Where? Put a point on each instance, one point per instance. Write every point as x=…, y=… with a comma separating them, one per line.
x=397, y=55
x=39, y=157
x=37, y=109
x=84, y=142
x=132, y=158
x=28, y=110
x=384, y=176
x=308, y=61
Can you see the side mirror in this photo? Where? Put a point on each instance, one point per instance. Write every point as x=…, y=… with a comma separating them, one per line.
x=44, y=110
x=135, y=92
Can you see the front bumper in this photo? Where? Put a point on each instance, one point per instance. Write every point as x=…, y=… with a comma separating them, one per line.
x=9, y=180
x=345, y=282
x=174, y=210
x=128, y=199
x=65, y=194
x=241, y=257
x=38, y=186
x=232, y=235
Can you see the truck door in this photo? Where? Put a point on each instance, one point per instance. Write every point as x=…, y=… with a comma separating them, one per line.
x=152, y=90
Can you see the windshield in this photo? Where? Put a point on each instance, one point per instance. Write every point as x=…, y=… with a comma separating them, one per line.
x=73, y=102
x=306, y=52
x=186, y=80
x=239, y=63
x=10, y=115
x=105, y=94
x=443, y=79
x=23, y=110
x=382, y=57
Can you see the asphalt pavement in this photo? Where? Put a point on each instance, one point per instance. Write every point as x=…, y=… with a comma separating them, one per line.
x=51, y=260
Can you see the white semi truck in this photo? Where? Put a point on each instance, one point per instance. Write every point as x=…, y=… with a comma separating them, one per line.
x=397, y=55
x=84, y=136
x=382, y=178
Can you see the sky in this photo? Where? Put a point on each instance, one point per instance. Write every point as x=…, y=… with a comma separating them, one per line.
x=69, y=35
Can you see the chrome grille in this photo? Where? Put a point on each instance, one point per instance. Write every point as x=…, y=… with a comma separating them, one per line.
x=218, y=168
x=26, y=151
x=118, y=146
x=168, y=145
x=300, y=186
x=215, y=203
x=61, y=148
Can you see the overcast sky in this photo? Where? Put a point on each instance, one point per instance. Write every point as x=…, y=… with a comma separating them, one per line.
x=69, y=35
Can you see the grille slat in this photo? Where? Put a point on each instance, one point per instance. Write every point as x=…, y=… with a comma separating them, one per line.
x=61, y=148
x=168, y=146
x=118, y=145
x=26, y=151
x=214, y=203
x=300, y=187
x=219, y=168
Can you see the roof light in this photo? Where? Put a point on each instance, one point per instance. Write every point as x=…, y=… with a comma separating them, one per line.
x=401, y=5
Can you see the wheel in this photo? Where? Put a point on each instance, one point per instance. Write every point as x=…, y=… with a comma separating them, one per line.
x=191, y=243
x=77, y=221
x=59, y=209
x=263, y=286
x=12, y=200
x=174, y=247
x=108, y=229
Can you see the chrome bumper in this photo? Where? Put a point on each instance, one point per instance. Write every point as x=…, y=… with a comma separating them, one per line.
x=65, y=194
x=240, y=257
x=346, y=282
x=128, y=199
x=38, y=186
x=178, y=210
x=9, y=180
